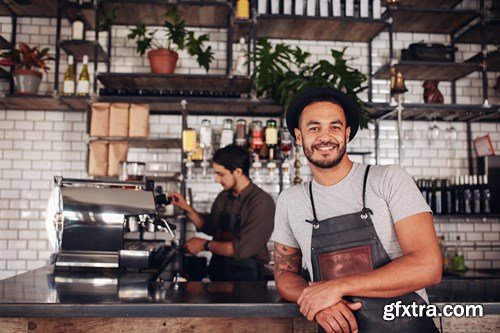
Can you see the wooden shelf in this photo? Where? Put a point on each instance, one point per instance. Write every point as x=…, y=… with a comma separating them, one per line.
x=203, y=106
x=209, y=14
x=77, y=103
x=424, y=70
x=33, y=102
x=144, y=142
x=85, y=12
x=435, y=20
x=441, y=112
x=36, y=8
x=179, y=82
x=473, y=34
x=44, y=103
x=4, y=44
x=493, y=60
x=79, y=48
x=427, y=3
x=318, y=28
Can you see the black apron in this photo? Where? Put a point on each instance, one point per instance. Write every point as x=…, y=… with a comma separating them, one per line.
x=332, y=236
x=223, y=268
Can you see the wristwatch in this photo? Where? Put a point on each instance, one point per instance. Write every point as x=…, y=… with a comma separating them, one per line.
x=206, y=246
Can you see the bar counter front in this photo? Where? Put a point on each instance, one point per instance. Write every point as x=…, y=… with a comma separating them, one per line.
x=117, y=301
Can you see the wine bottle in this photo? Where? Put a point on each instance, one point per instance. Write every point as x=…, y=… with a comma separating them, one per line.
x=438, y=198
x=78, y=29
x=83, y=86
x=476, y=195
x=69, y=78
x=467, y=196
x=485, y=196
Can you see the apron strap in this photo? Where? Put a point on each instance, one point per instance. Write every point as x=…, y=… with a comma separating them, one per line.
x=312, y=203
x=366, y=210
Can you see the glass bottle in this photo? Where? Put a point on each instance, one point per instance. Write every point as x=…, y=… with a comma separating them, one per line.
x=206, y=133
x=83, y=85
x=69, y=78
x=241, y=60
x=241, y=132
x=285, y=142
x=271, y=138
x=78, y=29
x=189, y=140
x=476, y=195
x=438, y=199
x=485, y=196
x=257, y=136
x=227, y=135
x=243, y=9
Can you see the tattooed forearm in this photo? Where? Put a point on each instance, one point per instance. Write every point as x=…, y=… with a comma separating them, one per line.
x=287, y=258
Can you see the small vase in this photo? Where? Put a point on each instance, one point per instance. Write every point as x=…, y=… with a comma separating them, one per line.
x=432, y=95
x=163, y=61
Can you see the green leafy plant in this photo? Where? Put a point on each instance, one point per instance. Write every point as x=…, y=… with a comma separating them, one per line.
x=26, y=57
x=282, y=72
x=178, y=38
x=107, y=19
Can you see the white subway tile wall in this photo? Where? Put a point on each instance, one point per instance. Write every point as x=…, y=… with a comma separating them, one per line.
x=36, y=145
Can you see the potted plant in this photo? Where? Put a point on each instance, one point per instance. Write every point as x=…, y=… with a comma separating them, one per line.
x=26, y=61
x=163, y=56
x=282, y=72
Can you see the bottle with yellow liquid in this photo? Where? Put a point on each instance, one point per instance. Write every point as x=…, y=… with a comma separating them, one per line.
x=83, y=85
x=69, y=78
x=243, y=9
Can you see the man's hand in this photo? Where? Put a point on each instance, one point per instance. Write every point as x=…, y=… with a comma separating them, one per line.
x=318, y=296
x=339, y=318
x=195, y=245
x=178, y=200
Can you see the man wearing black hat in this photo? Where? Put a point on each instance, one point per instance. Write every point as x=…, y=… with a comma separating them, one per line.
x=365, y=234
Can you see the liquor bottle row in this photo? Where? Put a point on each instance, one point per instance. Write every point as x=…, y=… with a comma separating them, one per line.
x=70, y=85
x=466, y=194
x=263, y=142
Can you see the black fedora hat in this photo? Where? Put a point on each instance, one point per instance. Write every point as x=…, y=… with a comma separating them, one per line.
x=318, y=94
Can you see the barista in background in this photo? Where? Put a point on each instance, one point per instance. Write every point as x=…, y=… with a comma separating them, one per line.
x=241, y=220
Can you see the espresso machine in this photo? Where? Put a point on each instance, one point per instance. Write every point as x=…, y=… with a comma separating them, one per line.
x=87, y=219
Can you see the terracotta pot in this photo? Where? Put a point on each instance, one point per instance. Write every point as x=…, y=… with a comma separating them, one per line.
x=26, y=81
x=163, y=61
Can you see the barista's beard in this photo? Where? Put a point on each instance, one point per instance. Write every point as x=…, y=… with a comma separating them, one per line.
x=325, y=164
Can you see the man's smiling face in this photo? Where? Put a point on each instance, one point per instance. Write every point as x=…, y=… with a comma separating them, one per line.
x=323, y=133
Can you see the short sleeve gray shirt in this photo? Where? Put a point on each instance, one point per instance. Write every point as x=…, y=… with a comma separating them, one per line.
x=391, y=194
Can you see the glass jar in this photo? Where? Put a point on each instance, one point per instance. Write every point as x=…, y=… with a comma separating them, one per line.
x=241, y=131
x=285, y=142
x=257, y=136
x=271, y=133
x=227, y=135
x=206, y=133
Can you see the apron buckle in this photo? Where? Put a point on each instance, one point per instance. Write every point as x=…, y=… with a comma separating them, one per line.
x=316, y=225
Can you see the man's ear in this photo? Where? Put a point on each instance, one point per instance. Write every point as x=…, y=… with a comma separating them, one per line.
x=348, y=134
x=238, y=172
x=298, y=136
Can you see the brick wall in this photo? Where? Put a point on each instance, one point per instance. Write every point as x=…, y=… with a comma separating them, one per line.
x=36, y=145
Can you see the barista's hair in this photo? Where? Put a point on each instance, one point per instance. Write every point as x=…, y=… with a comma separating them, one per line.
x=233, y=157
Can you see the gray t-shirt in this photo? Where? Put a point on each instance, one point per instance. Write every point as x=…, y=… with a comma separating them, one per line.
x=391, y=194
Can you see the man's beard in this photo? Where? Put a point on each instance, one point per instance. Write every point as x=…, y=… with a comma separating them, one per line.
x=325, y=164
